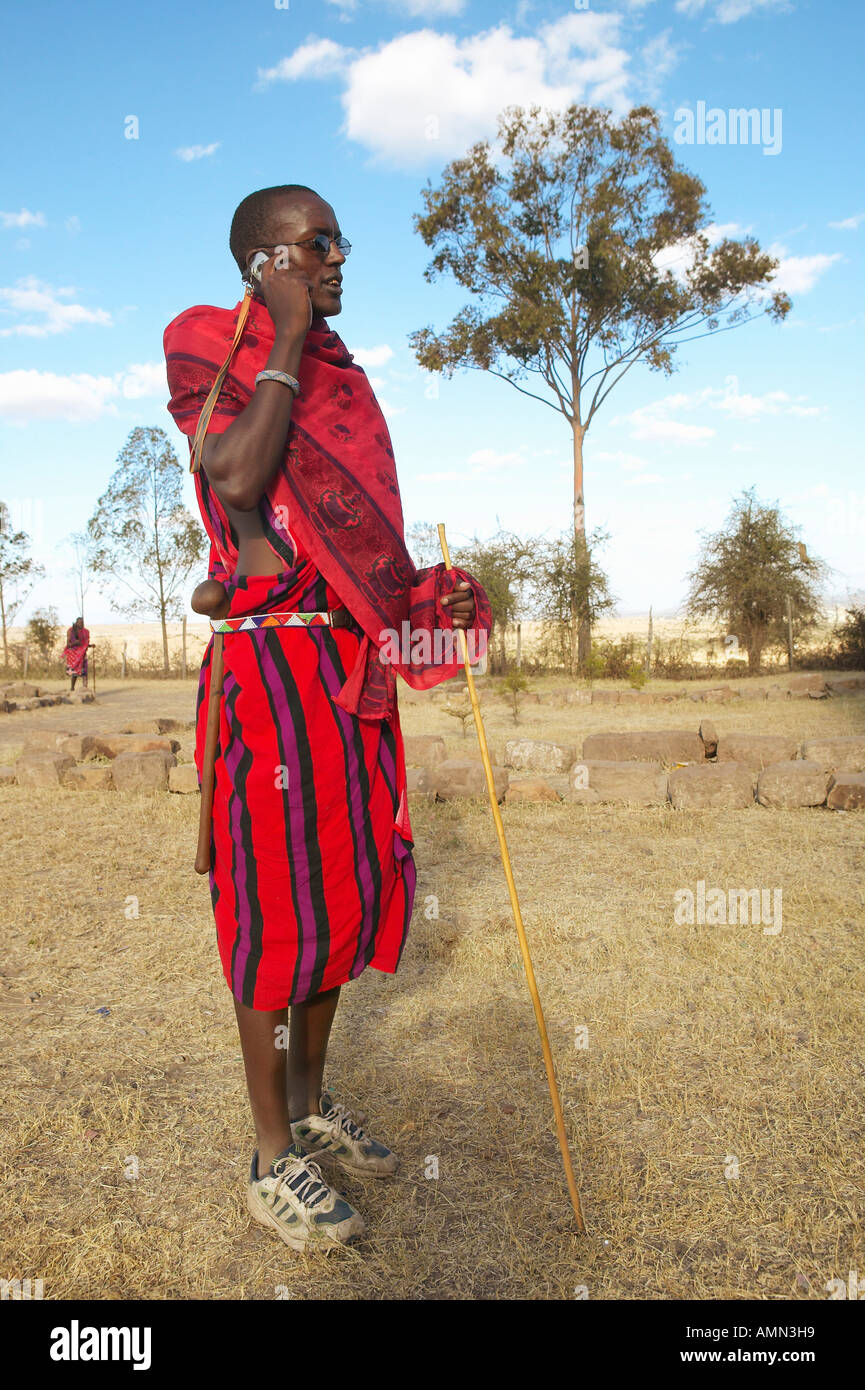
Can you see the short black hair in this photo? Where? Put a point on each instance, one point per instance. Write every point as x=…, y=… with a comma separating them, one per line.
x=251, y=217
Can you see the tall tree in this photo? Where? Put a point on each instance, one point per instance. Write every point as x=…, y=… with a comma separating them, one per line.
x=43, y=631
x=501, y=565
x=586, y=248
x=570, y=588
x=747, y=573
x=142, y=538
x=80, y=568
x=19, y=572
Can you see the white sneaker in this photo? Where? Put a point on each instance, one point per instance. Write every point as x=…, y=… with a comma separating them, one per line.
x=334, y=1134
x=294, y=1199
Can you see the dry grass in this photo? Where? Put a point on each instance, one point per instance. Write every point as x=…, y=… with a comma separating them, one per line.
x=705, y=1044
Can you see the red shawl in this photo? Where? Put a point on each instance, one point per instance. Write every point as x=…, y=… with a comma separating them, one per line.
x=336, y=487
x=75, y=651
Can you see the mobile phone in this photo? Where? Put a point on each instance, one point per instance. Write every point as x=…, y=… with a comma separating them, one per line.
x=259, y=259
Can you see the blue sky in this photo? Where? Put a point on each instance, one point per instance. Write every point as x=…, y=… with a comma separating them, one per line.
x=104, y=239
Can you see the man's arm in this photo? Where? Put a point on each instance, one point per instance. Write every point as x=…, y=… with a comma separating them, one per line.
x=241, y=462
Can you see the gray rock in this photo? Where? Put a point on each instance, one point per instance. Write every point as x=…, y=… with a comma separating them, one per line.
x=792, y=783
x=711, y=786
x=537, y=755
x=641, y=784
x=144, y=771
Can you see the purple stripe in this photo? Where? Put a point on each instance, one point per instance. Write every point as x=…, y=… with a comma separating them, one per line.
x=307, y=922
x=243, y=941
x=388, y=765
x=333, y=683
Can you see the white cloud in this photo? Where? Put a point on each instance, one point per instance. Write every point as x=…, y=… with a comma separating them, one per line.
x=318, y=58
x=22, y=219
x=659, y=56
x=630, y=462
x=73, y=224
x=679, y=256
x=729, y=11
x=428, y=9
x=34, y=298
x=428, y=95
x=144, y=379
x=189, y=152
x=657, y=420
x=798, y=274
x=372, y=357
x=489, y=461
x=849, y=224
x=33, y=395
x=78, y=396
x=643, y=479
x=747, y=407
x=673, y=431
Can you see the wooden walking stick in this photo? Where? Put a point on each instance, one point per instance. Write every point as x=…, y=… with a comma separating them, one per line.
x=524, y=945
x=208, y=764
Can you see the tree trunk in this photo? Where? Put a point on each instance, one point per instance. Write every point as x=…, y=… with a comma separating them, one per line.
x=649, y=645
x=584, y=638
x=519, y=646
x=183, y=651
x=166, y=664
x=755, y=653
x=3, y=621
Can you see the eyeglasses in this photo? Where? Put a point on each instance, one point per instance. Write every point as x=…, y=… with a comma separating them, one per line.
x=322, y=244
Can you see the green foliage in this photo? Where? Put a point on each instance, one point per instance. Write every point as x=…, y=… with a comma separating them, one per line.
x=556, y=235
x=141, y=537
x=422, y=543
x=594, y=666
x=636, y=676
x=18, y=574
x=43, y=631
x=512, y=685
x=747, y=571
x=570, y=588
x=851, y=634
x=502, y=565
x=460, y=707
x=845, y=649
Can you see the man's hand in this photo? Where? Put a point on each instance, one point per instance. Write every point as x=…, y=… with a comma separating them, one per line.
x=285, y=290
x=461, y=605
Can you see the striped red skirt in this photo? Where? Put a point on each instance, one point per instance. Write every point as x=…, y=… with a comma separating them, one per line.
x=312, y=877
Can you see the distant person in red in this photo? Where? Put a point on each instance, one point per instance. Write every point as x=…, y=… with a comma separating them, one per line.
x=75, y=652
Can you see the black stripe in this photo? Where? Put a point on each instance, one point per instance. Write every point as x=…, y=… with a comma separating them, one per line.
x=330, y=645
x=310, y=809
x=256, y=922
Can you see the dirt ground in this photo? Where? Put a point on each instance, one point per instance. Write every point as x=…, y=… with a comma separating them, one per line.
x=712, y=1077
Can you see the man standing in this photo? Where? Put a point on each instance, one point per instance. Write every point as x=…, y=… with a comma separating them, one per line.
x=75, y=652
x=311, y=871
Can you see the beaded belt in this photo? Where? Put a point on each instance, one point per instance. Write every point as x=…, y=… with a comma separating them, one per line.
x=327, y=617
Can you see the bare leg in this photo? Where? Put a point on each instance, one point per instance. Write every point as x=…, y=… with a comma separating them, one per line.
x=307, y=1049
x=265, y=1067
x=74, y=679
